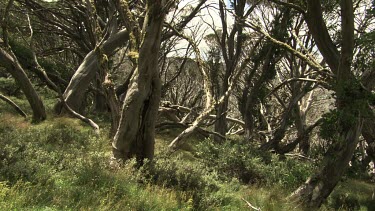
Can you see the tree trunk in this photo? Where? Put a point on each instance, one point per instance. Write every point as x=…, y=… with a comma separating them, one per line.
x=75, y=92
x=100, y=98
x=348, y=90
x=114, y=107
x=274, y=143
x=135, y=134
x=368, y=130
x=221, y=126
x=268, y=57
x=368, y=133
x=15, y=69
x=317, y=188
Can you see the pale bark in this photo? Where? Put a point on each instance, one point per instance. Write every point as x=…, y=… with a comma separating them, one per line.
x=135, y=134
x=75, y=91
x=368, y=133
x=211, y=107
x=41, y=72
x=267, y=57
x=168, y=108
x=317, y=188
x=114, y=106
x=323, y=40
x=274, y=143
x=368, y=130
x=208, y=87
x=53, y=86
x=231, y=48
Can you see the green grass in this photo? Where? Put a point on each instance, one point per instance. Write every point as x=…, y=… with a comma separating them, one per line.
x=353, y=195
x=60, y=164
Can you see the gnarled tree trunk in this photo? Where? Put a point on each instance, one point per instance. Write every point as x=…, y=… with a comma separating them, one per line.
x=316, y=189
x=135, y=134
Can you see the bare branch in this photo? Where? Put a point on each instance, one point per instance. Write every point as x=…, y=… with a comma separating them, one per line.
x=312, y=63
x=14, y=105
x=291, y=80
x=51, y=84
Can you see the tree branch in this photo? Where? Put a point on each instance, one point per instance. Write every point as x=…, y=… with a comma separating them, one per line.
x=14, y=105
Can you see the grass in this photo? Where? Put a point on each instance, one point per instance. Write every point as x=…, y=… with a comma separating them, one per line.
x=60, y=164
x=353, y=195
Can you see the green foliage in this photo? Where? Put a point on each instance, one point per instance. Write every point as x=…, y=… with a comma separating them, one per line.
x=61, y=165
x=344, y=202
x=9, y=86
x=24, y=55
x=27, y=154
x=195, y=184
x=248, y=164
x=329, y=127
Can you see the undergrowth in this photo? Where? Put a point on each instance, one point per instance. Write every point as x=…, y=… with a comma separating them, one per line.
x=61, y=164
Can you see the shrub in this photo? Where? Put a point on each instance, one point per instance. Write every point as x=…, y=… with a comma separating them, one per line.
x=244, y=161
x=195, y=184
x=344, y=202
x=9, y=86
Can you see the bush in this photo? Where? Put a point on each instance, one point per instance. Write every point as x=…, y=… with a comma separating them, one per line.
x=27, y=153
x=245, y=162
x=195, y=184
x=9, y=87
x=344, y=202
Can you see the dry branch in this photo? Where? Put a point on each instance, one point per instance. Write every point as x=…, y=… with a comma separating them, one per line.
x=14, y=105
x=183, y=109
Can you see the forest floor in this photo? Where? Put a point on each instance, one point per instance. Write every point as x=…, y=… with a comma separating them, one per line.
x=61, y=164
